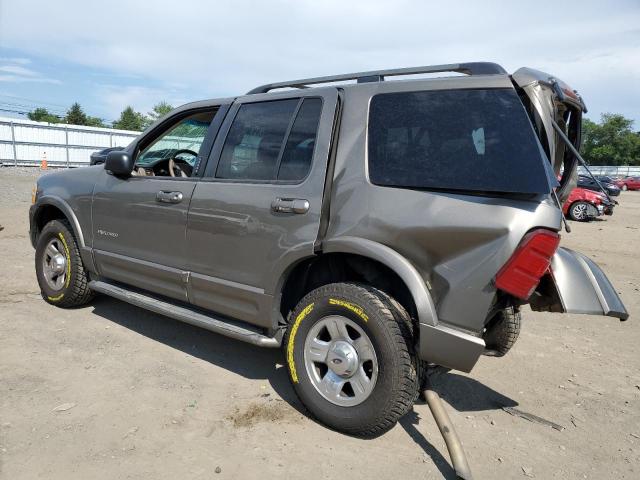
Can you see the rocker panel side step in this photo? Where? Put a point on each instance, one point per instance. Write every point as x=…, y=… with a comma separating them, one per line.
x=228, y=328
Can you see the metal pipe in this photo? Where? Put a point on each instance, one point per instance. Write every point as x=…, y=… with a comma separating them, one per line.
x=456, y=452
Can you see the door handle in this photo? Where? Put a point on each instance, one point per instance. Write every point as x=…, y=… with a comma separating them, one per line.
x=169, y=197
x=290, y=205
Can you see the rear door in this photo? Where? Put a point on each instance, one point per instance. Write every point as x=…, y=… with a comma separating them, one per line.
x=257, y=209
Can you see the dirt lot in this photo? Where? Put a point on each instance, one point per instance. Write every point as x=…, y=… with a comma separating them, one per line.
x=110, y=391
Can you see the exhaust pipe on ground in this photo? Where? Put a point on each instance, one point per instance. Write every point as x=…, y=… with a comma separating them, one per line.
x=456, y=452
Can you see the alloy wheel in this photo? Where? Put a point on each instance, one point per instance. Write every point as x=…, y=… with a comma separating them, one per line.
x=340, y=361
x=54, y=264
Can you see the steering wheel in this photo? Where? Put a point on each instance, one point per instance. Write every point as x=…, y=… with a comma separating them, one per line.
x=184, y=169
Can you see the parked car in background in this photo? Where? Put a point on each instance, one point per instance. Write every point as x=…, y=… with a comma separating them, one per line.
x=628, y=183
x=590, y=184
x=584, y=205
x=100, y=156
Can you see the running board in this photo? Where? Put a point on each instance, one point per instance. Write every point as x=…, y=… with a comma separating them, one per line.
x=184, y=314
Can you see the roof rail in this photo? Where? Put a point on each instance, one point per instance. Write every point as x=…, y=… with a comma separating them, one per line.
x=472, y=68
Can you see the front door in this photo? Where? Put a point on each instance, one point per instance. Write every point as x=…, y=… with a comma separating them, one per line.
x=258, y=206
x=139, y=222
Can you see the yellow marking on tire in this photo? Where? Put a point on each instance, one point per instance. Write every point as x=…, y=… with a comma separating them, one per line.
x=294, y=328
x=55, y=299
x=358, y=310
x=66, y=250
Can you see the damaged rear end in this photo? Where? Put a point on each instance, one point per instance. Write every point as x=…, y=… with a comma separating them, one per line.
x=540, y=272
x=572, y=283
x=466, y=181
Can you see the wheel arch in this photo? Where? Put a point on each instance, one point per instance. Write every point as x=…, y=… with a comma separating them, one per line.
x=52, y=208
x=377, y=264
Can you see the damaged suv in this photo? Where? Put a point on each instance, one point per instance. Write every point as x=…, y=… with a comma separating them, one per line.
x=369, y=227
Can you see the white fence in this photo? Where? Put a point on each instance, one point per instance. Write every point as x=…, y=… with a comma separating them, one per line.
x=23, y=142
x=615, y=171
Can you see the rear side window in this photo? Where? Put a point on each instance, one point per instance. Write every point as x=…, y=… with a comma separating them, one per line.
x=469, y=140
x=298, y=152
x=271, y=141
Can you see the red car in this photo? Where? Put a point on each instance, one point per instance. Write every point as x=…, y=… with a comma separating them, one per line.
x=584, y=205
x=628, y=183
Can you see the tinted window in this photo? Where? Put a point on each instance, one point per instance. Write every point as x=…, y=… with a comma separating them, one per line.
x=298, y=153
x=474, y=140
x=253, y=144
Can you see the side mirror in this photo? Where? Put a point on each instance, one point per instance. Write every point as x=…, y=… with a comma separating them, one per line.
x=119, y=163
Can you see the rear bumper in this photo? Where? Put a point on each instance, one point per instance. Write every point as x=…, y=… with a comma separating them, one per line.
x=449, y=347
x=583, y=287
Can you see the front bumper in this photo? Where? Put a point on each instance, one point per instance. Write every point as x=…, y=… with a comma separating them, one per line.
x=33, y=230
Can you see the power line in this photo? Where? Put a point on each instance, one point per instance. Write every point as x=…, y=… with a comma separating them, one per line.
x=30, y=100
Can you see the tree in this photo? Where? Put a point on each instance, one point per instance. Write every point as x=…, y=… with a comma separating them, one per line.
x=159, y=110
x=94, y=122
x=130, y=120
x=610, y=142
x=43, y=115
x=75, y=115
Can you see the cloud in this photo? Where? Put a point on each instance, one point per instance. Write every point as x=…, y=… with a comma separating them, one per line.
x=18, y=73
x=226, y=48
x=113, y=99
x=17, y=70
x=15, y=60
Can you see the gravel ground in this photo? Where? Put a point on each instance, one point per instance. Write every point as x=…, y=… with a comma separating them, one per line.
x=109, y=391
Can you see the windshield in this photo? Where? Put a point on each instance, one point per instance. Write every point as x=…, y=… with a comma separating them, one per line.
x=470, y=140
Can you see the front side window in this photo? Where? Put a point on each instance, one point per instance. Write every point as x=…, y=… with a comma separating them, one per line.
x=271, y=141
x=179, y=143
x=468, y=140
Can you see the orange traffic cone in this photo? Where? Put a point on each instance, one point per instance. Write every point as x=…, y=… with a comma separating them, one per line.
x=43, y=162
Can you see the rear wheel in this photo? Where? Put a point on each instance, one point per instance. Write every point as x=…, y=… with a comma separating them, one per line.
x=61, y=275
x=351, y=359
x=579, y=211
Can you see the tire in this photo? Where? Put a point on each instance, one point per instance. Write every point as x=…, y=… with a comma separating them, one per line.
x=624, y=187
x=62, y=277
x=504, y=331
x=578, y=211
x=390, y=364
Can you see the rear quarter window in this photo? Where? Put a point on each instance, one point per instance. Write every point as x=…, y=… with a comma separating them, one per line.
x=468, y=140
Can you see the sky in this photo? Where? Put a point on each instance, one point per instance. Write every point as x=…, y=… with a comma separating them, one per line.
x=108, y=55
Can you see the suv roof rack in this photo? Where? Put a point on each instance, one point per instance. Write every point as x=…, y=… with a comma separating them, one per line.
x=471, y=68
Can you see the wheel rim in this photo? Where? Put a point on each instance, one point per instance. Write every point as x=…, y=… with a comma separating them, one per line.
x=580, y=211
x=54, y=264
x=340, y=361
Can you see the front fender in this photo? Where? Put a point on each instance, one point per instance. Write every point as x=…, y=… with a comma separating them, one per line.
x=582, y=287
x=61, y=205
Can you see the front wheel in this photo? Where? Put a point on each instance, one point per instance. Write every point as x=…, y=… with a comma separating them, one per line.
x=351, y=359
x=61, y=275
x=579, y=212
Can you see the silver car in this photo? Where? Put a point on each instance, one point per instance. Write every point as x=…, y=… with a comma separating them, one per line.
x=368, y=225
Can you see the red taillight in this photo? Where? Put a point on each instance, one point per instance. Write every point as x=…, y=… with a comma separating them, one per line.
x=522, y=273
